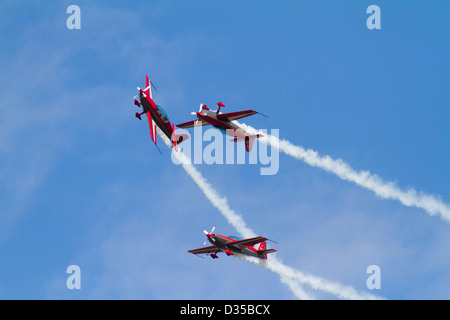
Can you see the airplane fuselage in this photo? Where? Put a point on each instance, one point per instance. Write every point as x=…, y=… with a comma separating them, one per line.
x=161, y=120
x=221, y=242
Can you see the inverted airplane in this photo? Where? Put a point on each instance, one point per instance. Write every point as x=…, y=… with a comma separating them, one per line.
x=156, y=116
x=231, y=245
x=224, y=122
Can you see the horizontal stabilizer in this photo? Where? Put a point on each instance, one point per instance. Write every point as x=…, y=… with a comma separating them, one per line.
x=266, y=251
x=179, y=138
x=263, y=253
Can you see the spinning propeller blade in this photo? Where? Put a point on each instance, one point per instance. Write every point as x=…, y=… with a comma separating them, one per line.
x=209, y=235
x=199, y=110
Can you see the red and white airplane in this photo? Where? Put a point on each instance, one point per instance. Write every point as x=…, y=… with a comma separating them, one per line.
x=224, y=122
x=231, y=245
x=157, y=117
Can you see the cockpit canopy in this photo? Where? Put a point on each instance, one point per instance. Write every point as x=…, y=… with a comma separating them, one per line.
x=162, y=113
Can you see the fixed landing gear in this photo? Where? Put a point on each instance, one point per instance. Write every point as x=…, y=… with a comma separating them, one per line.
x=138, y=115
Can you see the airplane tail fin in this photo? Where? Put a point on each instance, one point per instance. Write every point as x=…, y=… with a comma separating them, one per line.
x=248, y=140
x=263, y=251
x=221, y=105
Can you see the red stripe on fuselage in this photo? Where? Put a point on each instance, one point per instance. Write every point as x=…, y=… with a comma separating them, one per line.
x=230, y=241
x=149, y=105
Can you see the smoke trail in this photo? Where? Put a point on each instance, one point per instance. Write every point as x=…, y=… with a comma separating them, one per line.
x=296, y=288
x=386, y=190
x=286, y=273
x=217, y=201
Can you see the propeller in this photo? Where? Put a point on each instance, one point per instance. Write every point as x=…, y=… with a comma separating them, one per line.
x=142, y=90
x=151, y=85
x=199, y=109
x=209, y=234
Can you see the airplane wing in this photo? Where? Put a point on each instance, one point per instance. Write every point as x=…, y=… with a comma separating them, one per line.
x=191, y=124
x=209, y=249
x=152, y=125
x=246, y=242
x=236, y=115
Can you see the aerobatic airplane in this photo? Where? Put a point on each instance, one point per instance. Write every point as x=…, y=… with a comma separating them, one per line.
x=231, y=245
x=224, y=122
x=157, y=117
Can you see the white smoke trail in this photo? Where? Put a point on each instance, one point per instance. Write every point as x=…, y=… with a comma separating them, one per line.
x=387, y=190
x=296, y=288
x=286, y=273
x=217, y=201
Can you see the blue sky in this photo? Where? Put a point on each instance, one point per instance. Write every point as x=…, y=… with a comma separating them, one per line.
x=81, y=182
